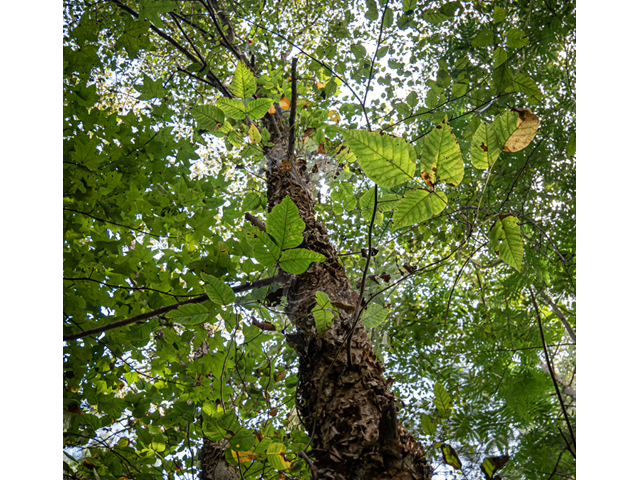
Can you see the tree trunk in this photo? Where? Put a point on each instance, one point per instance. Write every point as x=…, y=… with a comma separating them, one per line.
x=349, y=413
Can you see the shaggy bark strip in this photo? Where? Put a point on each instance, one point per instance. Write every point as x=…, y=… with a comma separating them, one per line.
x=357, y=434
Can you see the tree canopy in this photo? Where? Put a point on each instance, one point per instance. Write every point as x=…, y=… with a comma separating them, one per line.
x=220, y=157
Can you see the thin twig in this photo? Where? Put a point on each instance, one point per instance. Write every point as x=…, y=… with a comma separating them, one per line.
x=550, y=366
x=292, y=114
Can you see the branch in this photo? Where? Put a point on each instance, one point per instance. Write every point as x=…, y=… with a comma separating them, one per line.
x=255, y=221
x=357, y=311
x=217, y=83
x=560, y=315
x=550, y=367
x=167, y=308
x=117, y=224
x=294, y=101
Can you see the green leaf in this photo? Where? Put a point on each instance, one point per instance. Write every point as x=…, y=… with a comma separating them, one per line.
x=387, y=21
x=372, y=10
x=506, y=240
x=208, y=117
x=505, y=124
x=428, y=425
x=483, y=39
x=522, y=83
x=485, y=149
x=434, y=15
x=442, y=399
x=571, y=145
x=502, y=78
x=232, y=107
x=266, y=251
x=450, y=8
x=258, y=108
x=386, y=160
x=418, y=206
x=297, y=261
x=440, y=149
x=499, y=57
x=499, y=14
x=285, y=225
x=374, y=315
x=218, y=292
x=358, y=50
x=243, y=84
x=323, y=313
x=516, y=38
x=192, y=314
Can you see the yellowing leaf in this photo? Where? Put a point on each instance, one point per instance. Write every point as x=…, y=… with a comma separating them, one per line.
x=333, y=116
x=272, y=109
x=242, y=457
x=528, y=124
x=254, y=134
x=275, y=455
x=284, y=102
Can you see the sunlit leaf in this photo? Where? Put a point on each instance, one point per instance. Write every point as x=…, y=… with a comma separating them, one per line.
x=484, y=146
x=232, y=107
x=243, y=84
x=374, y=315
x=440, y=149
x=285, y=225
x=491, y=465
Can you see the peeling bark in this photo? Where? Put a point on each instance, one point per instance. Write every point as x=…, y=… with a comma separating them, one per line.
x=350, y=413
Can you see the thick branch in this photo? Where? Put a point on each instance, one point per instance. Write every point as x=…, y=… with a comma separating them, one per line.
x=166, y=309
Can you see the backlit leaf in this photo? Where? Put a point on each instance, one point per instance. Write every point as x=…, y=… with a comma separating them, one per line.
x=323, y=313
x=491, y=465
x=243, y=84
x=297, y=261
x=505, y=239
x=374, y=315
x=208, y=116
x=440, y=149
x=232, y=107
x=386, y=160
x=484, y=146
x=258, y=108
x=418, y=206
x=442, y=399
x=285, y=225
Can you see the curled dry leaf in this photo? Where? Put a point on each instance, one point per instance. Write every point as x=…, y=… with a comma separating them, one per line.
x=528, y=124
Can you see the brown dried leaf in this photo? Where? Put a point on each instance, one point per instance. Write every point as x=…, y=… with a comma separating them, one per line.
x=528, y=124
